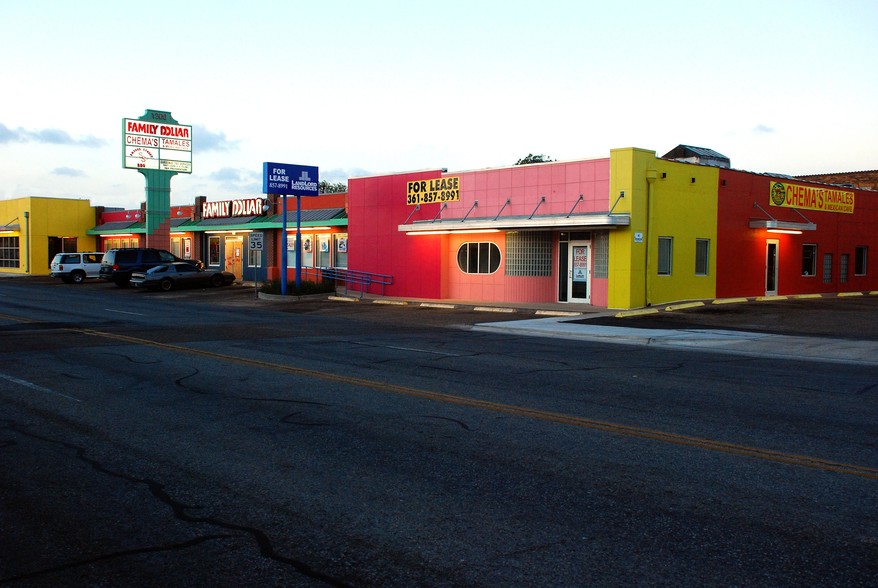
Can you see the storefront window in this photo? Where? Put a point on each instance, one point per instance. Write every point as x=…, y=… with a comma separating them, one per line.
x=9, y=252
x=341, y=249
x=213, y=251
x=291, y=250
x=324, y=255
x=307, y=250
x=254, y=258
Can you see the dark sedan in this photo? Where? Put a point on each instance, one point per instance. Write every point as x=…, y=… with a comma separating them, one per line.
x=178, y=274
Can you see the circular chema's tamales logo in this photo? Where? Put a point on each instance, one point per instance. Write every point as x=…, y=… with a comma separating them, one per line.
x=778, y=194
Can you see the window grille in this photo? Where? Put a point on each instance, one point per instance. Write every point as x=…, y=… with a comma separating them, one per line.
x=529, y=254
x=827, y=268
x=601, y=250
x=9, y=252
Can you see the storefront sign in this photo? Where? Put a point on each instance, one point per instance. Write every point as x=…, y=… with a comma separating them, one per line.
x=151, y=145
x=290, y=179
x=580, y=264
x=245, y=207
x=436, y=190
x=826, y=199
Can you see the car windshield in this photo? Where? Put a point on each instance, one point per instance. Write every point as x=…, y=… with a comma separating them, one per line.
x=159, y=269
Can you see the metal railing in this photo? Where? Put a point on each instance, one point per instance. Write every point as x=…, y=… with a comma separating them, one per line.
x=353, y=279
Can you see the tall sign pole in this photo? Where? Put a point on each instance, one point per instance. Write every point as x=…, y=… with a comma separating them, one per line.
x=159, y=148
x=293, y=180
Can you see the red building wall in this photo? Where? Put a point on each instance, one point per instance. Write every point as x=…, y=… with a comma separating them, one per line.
x=741, y=250
x=376, y=207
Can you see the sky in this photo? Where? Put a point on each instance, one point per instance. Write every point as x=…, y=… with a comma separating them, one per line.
x=364, y=87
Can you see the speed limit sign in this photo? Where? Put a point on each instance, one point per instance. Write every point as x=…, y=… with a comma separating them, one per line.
x=256, y=241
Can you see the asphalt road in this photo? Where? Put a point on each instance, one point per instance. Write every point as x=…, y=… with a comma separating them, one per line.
x=209, y=438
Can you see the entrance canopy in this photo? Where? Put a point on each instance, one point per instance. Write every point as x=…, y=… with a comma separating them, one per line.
x=517, y=223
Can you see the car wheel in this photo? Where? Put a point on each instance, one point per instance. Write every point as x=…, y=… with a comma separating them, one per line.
x=216, y=280
x=77, y=277
x=166, y=284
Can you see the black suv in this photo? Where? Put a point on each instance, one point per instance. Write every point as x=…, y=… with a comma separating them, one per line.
x=118, y=264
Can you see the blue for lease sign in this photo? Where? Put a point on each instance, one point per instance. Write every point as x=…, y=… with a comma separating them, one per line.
x=289, y=179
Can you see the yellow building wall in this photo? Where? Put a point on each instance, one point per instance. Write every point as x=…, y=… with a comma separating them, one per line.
x=664, y=199
x=45, y=218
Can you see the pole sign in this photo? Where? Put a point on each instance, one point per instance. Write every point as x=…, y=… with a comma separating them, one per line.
x=158, y=147
x=153, y=144
x=256, y=241
x=289, y=179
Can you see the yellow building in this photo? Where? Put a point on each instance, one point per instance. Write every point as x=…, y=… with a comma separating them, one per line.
x=673, y=208
x=33, y=230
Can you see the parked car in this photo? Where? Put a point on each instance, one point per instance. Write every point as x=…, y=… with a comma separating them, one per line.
x=180, y=274
x=117, y=265
x=75, y=268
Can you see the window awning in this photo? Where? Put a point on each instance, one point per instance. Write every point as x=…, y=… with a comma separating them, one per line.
x=781, y=226
x=521, y=223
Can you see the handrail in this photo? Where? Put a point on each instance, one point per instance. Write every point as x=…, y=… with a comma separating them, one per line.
x=350, y=278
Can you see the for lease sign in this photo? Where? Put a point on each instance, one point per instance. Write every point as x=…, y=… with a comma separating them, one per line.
x=435, y=190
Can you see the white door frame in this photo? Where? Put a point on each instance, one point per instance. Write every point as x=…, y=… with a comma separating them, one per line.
x=574, y=265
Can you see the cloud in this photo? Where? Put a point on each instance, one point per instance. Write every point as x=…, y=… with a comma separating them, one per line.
x=46, y=136
x=69, y=172
x=763, y=129
x=342, y=175
x=231, y=175
x=237, y=179
x=205, y=140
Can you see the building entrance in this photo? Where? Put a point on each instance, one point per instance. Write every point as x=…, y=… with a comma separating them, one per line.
x=235, y=256
x=578, y=274
x=771, y=267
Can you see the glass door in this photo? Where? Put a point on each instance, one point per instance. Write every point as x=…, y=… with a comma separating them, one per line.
x=578, y=275
x=771, y=267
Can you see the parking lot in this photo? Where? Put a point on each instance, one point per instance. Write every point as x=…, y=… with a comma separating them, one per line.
x=844, y=317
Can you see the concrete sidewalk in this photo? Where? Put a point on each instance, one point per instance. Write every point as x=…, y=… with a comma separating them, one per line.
x=764, y=345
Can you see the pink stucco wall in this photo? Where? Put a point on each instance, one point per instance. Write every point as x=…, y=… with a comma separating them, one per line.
x=425, y=266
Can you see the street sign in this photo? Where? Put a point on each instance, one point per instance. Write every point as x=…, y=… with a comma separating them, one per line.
x=256, y=241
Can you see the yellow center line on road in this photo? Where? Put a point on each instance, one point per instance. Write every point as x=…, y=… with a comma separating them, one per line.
x=510, y=409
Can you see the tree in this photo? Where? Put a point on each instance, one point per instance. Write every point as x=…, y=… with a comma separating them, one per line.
x=531, y=158
x=325, y=187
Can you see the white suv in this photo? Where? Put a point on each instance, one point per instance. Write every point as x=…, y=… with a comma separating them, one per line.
x=74, y=268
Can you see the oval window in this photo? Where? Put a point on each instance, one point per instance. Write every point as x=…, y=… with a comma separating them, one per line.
x=478, y=258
